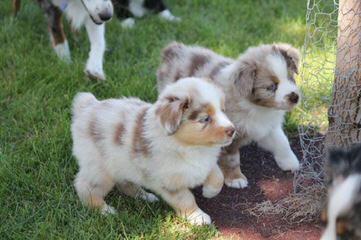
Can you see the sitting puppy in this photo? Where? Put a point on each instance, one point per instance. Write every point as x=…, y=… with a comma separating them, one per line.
x=129, y=9
x=344, y=194
x=260, y=88
x=167, y=147
x=91, y=13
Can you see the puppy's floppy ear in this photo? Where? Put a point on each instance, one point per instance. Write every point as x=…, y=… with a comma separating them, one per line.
x=170, y=112
x=243, y=77
x=291, y=54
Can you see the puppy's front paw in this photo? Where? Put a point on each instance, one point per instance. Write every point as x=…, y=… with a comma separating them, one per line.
x=149, y=197
x=128, y=23
x=210, y=191
x=95, y=74
x=63, y=52
x=167, y=15
x=238, y=183
x=289, y=164
x=198, y=217
x=108, y=210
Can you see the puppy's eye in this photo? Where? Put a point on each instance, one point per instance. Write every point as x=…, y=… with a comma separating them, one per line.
x=206, y=119
x=272, y=87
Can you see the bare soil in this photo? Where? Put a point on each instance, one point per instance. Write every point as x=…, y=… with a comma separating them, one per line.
x=229, y=210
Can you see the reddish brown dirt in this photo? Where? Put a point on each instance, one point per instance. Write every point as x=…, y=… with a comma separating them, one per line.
x=229, y=212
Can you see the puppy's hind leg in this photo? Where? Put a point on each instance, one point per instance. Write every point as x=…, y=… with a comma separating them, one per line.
x=134, y=190
x=92, y=188
x=56, y=30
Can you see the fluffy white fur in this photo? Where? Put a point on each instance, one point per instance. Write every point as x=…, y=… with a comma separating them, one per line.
x=341, y=200
x=168, y=168
x=79, y=16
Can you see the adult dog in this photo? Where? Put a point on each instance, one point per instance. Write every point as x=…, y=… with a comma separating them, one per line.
x=167, y=147
x=260, y=88
x=91, y=13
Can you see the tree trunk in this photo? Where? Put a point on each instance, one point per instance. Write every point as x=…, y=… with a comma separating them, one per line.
x=344, y=114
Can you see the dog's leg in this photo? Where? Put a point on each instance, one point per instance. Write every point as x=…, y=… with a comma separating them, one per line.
x=185, y=205
x=277, y=143
x=16, y=7
x=92, y=191
x=159, y=7
x=214, y=183
x=94, y=66
x=229, y=162
x=134, y=190
x=233, y=176
x=124, y=15
x=56, y=30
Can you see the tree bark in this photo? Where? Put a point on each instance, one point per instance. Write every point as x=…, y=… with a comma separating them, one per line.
x=344, y=114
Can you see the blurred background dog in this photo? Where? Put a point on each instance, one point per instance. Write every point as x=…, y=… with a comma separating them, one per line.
x=343, y=214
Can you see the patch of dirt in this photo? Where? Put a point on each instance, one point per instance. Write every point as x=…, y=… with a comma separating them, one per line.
x=229, y=210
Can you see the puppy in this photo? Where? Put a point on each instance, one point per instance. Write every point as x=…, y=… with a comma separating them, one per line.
x=167, y=147
x=91, y=13
x=344, y=194
x=127, y=10
x=260, y=88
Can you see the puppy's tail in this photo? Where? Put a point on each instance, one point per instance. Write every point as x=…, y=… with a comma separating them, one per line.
x=81, y=101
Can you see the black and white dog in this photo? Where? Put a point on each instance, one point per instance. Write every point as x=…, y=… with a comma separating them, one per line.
x=343, y=214
x=128, y=10
x=90, y=13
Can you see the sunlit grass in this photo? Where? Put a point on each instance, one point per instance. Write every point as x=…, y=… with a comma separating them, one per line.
x=37, y=198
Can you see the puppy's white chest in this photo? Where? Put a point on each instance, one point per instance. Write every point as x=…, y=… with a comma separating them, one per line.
x=188, y=172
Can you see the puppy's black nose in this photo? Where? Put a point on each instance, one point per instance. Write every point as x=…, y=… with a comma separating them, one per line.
x=293, y=97
x=105, y=16
x=230, y=131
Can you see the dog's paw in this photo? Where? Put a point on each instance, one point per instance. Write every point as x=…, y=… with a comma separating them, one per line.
x=108, y=210
x=95, y=74
x=149, y=197
x=329, y=234
x=236, y=183
x=128, y=23
x=63, y=52
x=210, y=191
x=167, y=15
x=198, y=217
x=289, y=164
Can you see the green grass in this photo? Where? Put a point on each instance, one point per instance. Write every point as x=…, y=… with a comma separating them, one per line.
x=37, y=199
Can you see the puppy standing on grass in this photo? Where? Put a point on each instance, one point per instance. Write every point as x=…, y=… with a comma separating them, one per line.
x=167, y=147
x=344, y=194
x=260, y=88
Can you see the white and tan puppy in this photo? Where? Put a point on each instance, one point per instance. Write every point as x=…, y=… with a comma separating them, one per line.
x=167, y=147
x=259, y=88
